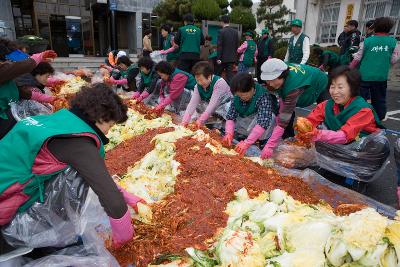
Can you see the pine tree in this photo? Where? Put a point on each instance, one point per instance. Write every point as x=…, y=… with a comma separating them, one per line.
x=206, y=9
x=273, y=12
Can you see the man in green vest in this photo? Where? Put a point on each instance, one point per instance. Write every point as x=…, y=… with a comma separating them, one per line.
x=375, y=56
x=265, y=50
x=248, y=51
x=297, y=86
x=189, y=39
x=299, y=44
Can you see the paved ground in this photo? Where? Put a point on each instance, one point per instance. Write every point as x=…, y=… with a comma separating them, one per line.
x=384, y=187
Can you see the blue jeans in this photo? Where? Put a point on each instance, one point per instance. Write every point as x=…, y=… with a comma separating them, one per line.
x=377, y=91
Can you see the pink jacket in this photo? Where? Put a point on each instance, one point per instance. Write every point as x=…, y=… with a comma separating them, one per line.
x=243, y=48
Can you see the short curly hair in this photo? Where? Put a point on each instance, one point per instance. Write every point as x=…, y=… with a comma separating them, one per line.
x=99, y=103
x=353, y=78
x=43, y=68
x=146, y=62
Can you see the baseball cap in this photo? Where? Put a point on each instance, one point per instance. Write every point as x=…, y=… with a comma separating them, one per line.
x=265, y=31
x=121, y=53
x=272, y=69
x=297, y=22
x=248, y=34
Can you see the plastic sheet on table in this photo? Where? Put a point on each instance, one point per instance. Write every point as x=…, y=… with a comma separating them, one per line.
x=27, y=108
x=335, y=194
x=156, y=56
x=70, y=213
x=294, y=156
x=361, y=160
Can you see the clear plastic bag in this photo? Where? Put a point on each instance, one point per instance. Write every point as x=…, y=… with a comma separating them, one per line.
x=27, y=108
x=156, y=56
x=71, y=213
x=361, y=160
x=293, y=156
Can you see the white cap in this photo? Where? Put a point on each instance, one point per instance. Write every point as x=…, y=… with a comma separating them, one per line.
x=272, y=69
x=121, y=53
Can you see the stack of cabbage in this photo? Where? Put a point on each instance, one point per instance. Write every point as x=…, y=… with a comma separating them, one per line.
x=274, y=230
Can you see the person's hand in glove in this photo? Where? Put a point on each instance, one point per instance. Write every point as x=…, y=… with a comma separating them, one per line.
x=135, y=95
x=255, y=134
x=122, y=229
x=229, y=133
x=273, y=142
x=159, y=110
x=328, y=136
x=242, y=147
x=202, y=119
x=143, y=96
x=44, y=56
x=131, y=199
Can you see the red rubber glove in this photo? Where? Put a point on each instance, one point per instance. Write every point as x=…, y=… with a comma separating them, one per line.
x=227, y=140
x=44, y=56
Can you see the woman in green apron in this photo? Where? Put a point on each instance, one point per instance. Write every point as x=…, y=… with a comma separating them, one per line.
x=149, y=80
x=297, y=86
x=9, y=92
x=168, y=45
x=40, y=147
x=211, y=95
x=128, y=71
x=251, y=113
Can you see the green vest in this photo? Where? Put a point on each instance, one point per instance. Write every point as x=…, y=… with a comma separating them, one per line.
x=8, y=93
x=300, y=76
x=19, y=148
x=125, y=73
x=248, y=57
x=335, y=122
x=333, y=58
x=173, y=56
x=190, y=39
x=250, y=107
x=147, y=78
x=375, y=62
x=296, y=49
x=191, y=81
x=205, y=95
x=266, y=46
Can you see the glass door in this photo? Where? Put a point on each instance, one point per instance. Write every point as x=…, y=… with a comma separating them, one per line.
x=74, y=35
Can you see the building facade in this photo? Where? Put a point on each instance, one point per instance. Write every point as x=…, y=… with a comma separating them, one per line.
x=324, y=19
x=78, y=27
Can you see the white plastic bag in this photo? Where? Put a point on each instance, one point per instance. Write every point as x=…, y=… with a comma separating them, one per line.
x=156, y=56
x=27, y=108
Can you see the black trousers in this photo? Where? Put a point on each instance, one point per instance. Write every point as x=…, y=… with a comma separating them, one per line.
x=228, y=68
x=377, y=92
x=146, y=53
x=187, y=64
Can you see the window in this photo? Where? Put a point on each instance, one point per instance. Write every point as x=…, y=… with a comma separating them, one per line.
x=329, y=18
x=378, y=8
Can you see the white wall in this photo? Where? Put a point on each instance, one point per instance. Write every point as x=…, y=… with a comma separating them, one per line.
x=343, y=11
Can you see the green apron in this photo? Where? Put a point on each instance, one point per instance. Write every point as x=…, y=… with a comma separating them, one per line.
x=335, y=122
x=19, y=148
x=205, y=95
x=296, y=49
x=8, y=93
x=248, y=57
x=313, y=79
x=191, y=81
x=173, y=56
x=250, y=108
x=190, y=39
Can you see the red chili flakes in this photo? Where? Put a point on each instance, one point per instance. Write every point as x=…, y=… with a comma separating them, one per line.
x=126, y=154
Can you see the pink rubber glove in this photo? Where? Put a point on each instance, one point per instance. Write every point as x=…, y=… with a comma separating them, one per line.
x=42, y=98
x=135, y=95
x=143, y=96
x=273, y=141
x=331, y=137
x=255, y=134
x=163, y=52
x=242, y=147
x=122, y=230
x=118, y=82
x=354, y=64
x=159, y=109
x=165, y=102
x=229, y=132
x=269, y=57
x=44, y=56
x=186, y=119
x=131, y=199
x=203, y=118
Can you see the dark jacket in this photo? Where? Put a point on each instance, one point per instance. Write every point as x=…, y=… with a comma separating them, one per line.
x=227, y=45
x=28, y=80
x=263, y=53
x=348, y=40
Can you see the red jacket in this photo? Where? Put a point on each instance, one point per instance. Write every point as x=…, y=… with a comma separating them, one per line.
x=362, y=121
